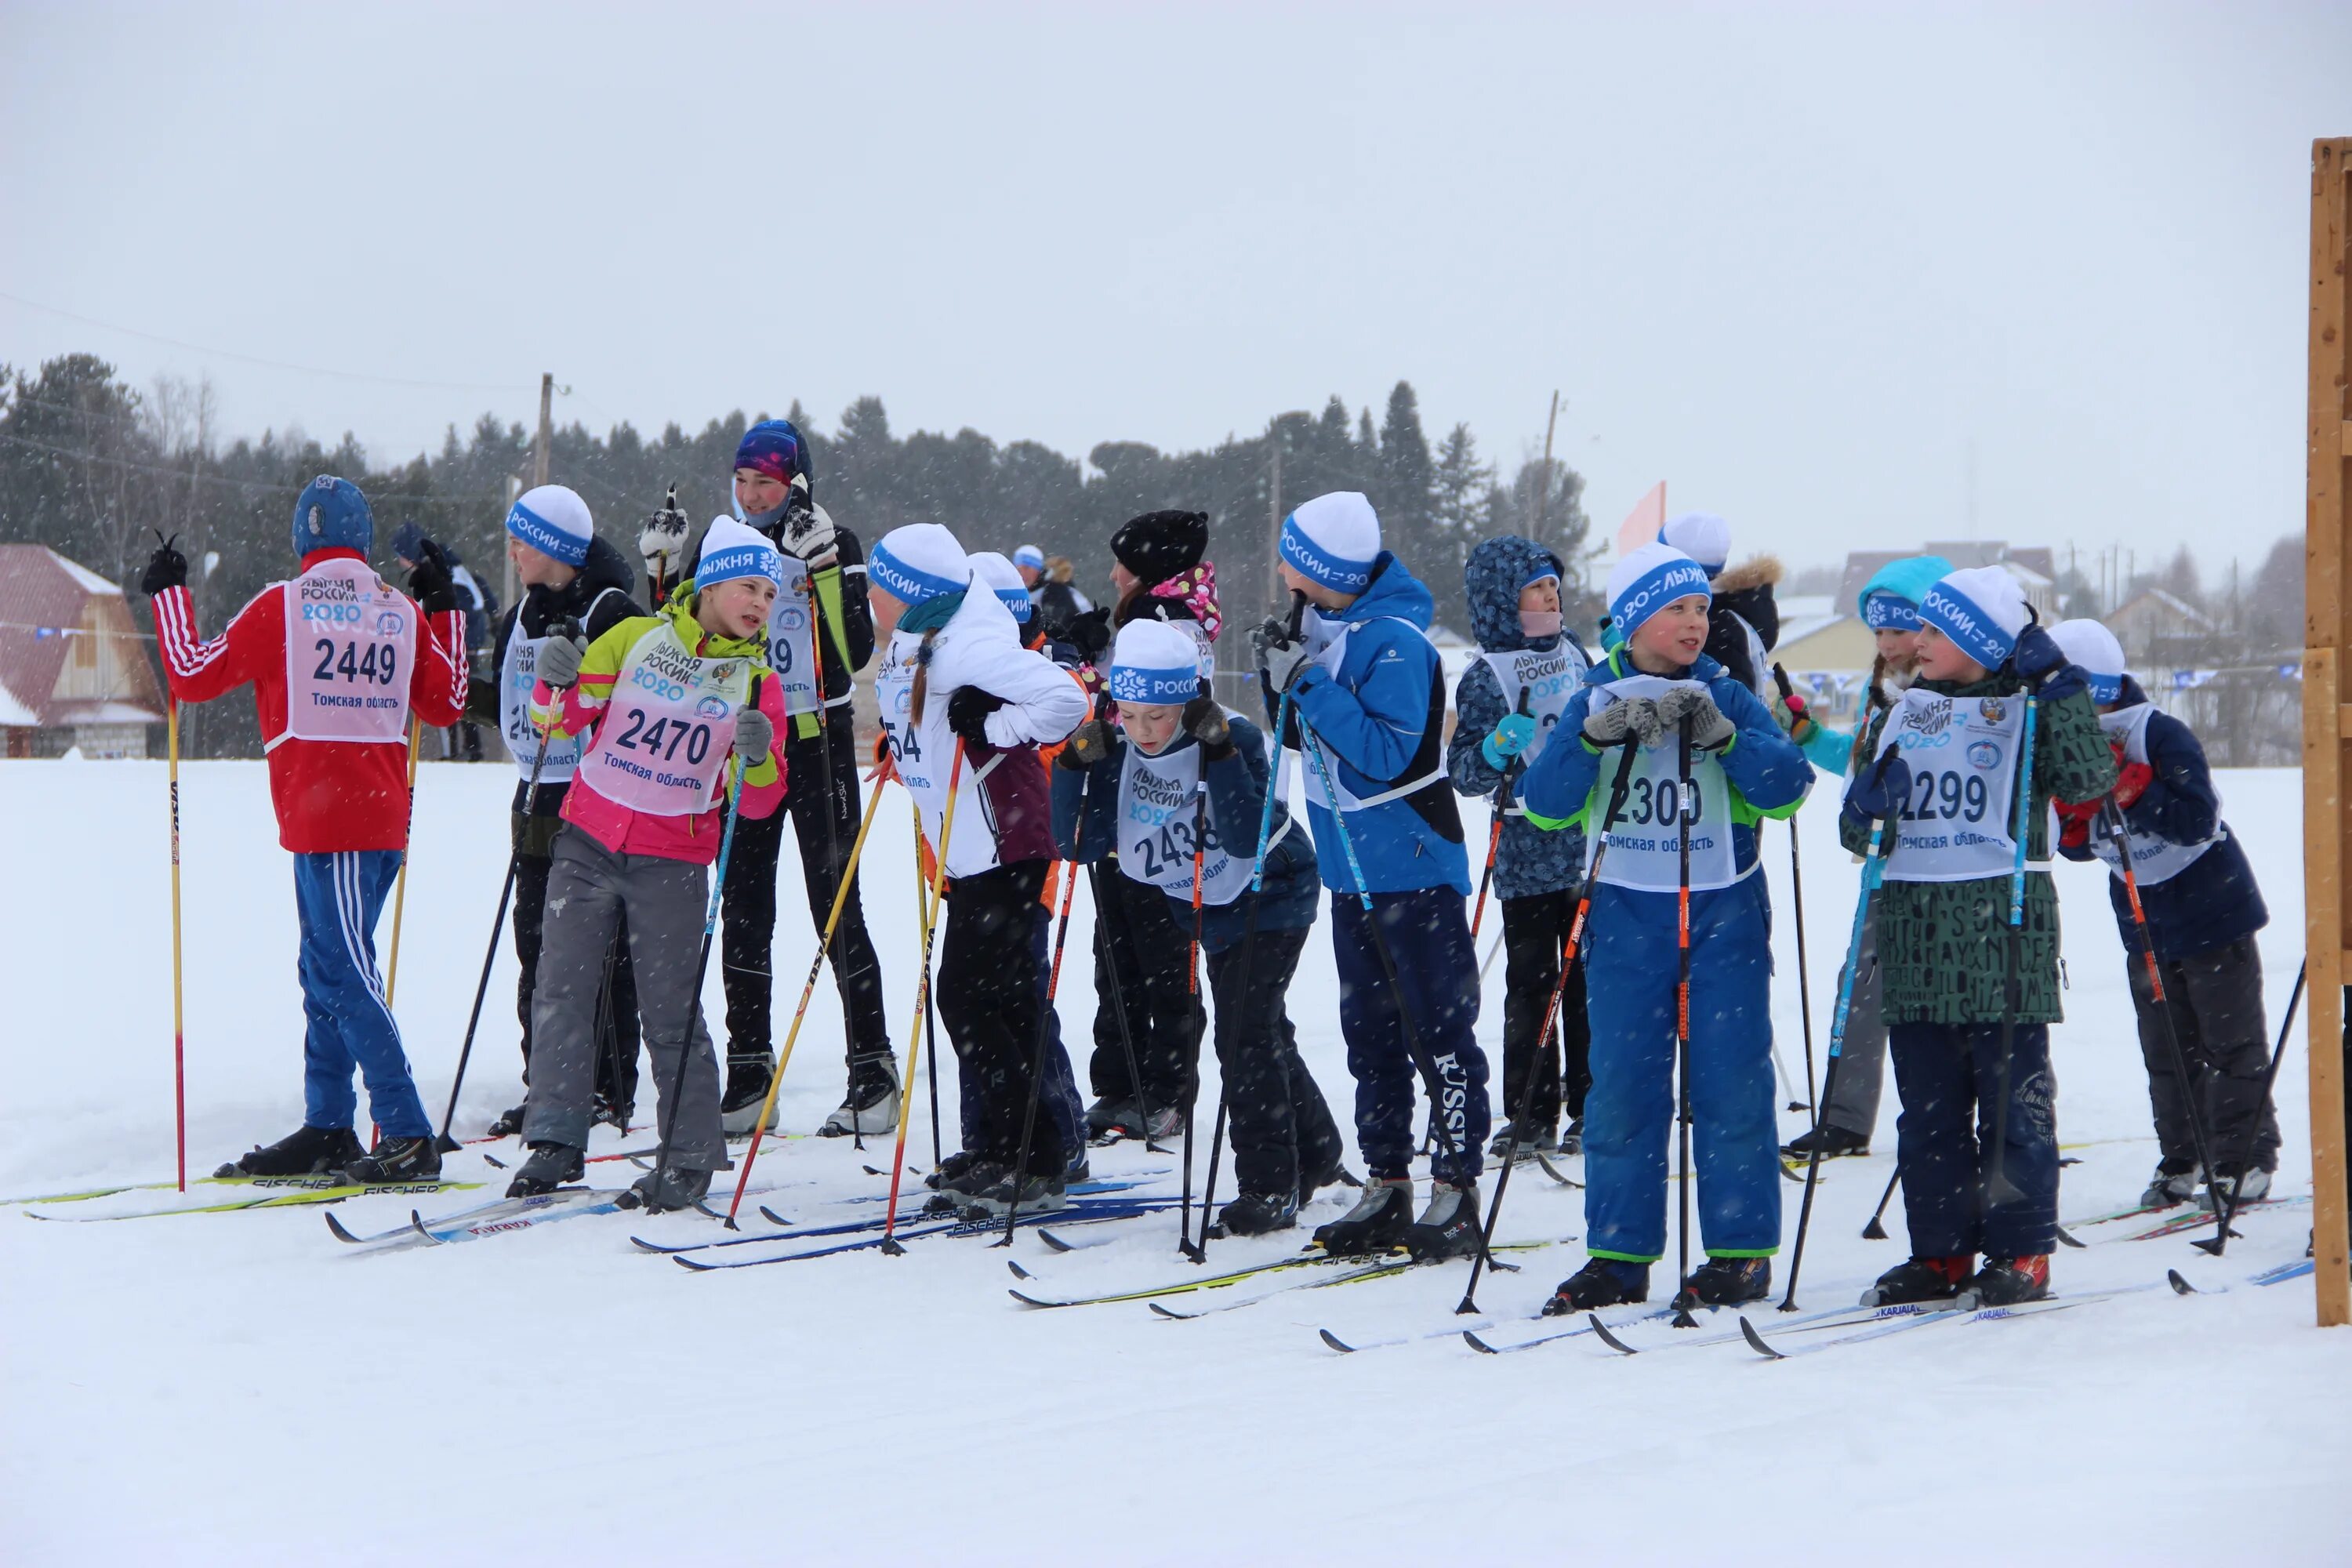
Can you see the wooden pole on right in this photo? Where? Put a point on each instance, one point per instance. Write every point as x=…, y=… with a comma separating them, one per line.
x=2326, y=720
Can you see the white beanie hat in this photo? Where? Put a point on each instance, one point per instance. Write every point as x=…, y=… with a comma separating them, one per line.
x=2093, y=649
x=1647, y=580
x=1701, y=535
x=1029, y=555
x=992, y=571
x=918, y=562
x=1155, y=662
x=1979, y=608
x=1334, y=540
x=553, y=521
x=732, y=550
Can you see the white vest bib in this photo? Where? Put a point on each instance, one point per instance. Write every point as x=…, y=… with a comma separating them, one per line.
x=1158, y=797
x=1957, y=824
x=1548, y=679
x=350, y=645
x=663, y=744
x=2154, y=858
x=1328, y=639
x=1645, y=844
x=515, y=681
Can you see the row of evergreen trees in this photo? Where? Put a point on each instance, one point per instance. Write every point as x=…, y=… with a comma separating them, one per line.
x=90, y=465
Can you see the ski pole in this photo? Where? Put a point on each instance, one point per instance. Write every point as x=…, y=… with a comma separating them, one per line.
x=2220, y=1240
x=922, y=916
x=1192, y=994
x=1874, y=1231
x=808, y=989
x=178, y=1015
x=400, y=883
x=891, y=1246
x=1814, y=1101
x=1045, y=1013
x=701, y=963
x=1619, y=787
x=1199, y=1252
x=1874, y=875
x=1496, y=812
x=2121, y=839
x=1999, y=1191
x=831, y=831
x=1684, y=1297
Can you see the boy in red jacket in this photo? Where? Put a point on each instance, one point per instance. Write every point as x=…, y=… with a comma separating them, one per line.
x=339, y=660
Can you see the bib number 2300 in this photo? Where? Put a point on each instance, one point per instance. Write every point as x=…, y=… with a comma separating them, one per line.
x=1658, y=802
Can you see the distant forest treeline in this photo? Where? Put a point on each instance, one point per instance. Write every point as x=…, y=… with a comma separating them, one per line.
x=90, y=465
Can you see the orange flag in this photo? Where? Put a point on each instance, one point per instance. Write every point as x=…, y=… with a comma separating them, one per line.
x=1641, y=525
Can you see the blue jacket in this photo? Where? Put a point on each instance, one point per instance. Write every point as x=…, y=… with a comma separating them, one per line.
x=1381, y=720
x=2215, y=901
x=1237, y=786
x=1529, y=860
x=1769, y=774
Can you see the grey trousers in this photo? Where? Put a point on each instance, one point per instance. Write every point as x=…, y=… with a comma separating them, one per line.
x=588, y=887
x=1862, y=1057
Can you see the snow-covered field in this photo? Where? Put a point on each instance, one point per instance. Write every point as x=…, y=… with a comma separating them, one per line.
x=242, y=1388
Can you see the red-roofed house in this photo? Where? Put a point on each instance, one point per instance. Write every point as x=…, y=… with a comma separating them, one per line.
x=72, y=670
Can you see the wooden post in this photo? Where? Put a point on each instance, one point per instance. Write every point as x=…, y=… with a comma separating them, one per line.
x=2326, y=724
x=546, y=438
x=1543, y=495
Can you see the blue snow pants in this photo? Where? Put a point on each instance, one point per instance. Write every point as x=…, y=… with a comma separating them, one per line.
x=337, y=898
x=1949, y=1078
x=1632, y=965
x=1058, y=1099
x=1427, y=930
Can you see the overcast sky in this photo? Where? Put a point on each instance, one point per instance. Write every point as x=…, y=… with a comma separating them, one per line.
x=1799, y=262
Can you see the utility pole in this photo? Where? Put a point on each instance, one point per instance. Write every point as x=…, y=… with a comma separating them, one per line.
x=1273, y=515
x=1543, y=496
x=542, y=448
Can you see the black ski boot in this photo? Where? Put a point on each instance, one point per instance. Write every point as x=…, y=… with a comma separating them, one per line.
x=963, y=1176
x=1920, y=1279
x=1258, y=1214
x=549, y=1166
x=1449, y=1226
x=2007, y=1282
x=1533, y=1140
x=1835, y=1144
x=659, y=1192
x=1731, y=1282
x=307, y=1150
x=1111, y=1111
x=1080, y=1169
x=509, y=1123
x=1602, y=1282
x=748, y=1075
x=396, y=1160
x=1571, y=1142
x=1035, y=1192
x=1379, y=1222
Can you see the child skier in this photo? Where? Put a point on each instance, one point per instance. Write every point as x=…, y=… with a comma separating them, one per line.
x=567, y=574
x=1367, y=698
x=1177, y=759
x=339, y=661
x=666, y=700
x=1968, y=1001
x=824, y=589
x=956, y=680
x=2203, y=908
x=1657, y=685
x=1890, y=608
x=1504, y=707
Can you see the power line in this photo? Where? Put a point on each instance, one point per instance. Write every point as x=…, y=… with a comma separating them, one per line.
x=223, y=480
x=256, y=359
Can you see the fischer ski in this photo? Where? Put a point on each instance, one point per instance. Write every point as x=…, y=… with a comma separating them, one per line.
x=1957, y=1314
x=306, y=1192
x=1393, y=1264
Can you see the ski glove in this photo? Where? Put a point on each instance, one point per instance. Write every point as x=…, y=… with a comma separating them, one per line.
x=807, y=533
x=1090, y=635
x=967, y=712
x=1632, y=718
x=167, y=568
x=1879, y=790
x=430, y=582
x=2037, y=655
x=1205, y=723
x=2131, y=782
x=1709, y=730
x=755, y=735
x=662, y=541
x=1515, y=734
x=559, y=661
x=1088, y=745
x=2068, y=681
x=1279, y=658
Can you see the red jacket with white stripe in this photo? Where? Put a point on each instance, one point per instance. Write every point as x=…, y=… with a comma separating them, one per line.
x=330, y=796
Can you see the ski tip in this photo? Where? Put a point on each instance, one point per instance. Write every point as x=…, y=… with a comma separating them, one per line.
x=642, y=1245
x=1053, y=1241
x=2180, y=1287
x=341, y=1234
x=698, y=1266
x=870, y=1170
x=496, y=1163
x=2067, y=1238
x=1170, y=1311
x=772, y=1217
x=1030, y=1300
x=1342, y=1346
x=1018, y=1272
x=1756, y=1341
x=1611, y=1341
x=1473, y=1341
x=416, y=1223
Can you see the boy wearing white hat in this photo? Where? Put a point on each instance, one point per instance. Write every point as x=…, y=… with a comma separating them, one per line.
x=1968, y=1003
x=1656, y=687
x=2203, y=907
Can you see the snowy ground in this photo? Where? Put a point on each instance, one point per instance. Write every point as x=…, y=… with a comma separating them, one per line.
x=240, y=1388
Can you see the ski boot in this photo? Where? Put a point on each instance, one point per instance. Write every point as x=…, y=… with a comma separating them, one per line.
x=1259, y=1214
x=1035, y=1193
x=1533, y=1140
x=1920, y=1279
x=1571, y=1142
x=2237, y=1185
x=961, y=1190
x=1602, y=1282
x=748, y=1076
x=307, y=1150
x=549, y=1166
x=2007, y=1282
x=1379, y=1222
x=1449, y=1226
x=396, y=1160
x=659, y=1192
x=872, y=1103
x=1834, y=1142
x=2175, y=1181
x=1079, y=1169
x=1731, y=1282
x=509, y=1123
x=1110, y=1111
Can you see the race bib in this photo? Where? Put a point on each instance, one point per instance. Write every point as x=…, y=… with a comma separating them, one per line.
x=1958, y=823
x=1547, y=680
x=662, y=746
x=1158, y=802
x=1646, y=842
x=2154, y=858
x=1328, y=639
x=515, y=681
x=350, y=644
x=791, y=653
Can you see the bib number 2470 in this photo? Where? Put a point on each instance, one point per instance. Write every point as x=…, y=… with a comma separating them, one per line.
x=663, y=736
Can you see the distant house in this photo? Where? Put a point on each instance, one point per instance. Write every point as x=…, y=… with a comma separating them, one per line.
x=2153, y=622
x=73, y=673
